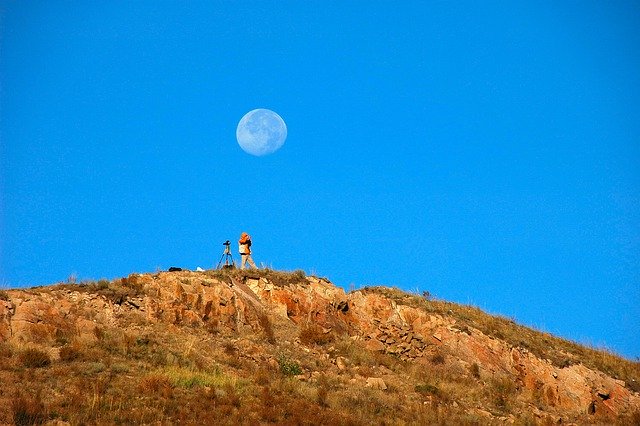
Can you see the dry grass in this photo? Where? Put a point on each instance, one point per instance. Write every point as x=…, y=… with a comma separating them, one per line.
x=156, y=384
x=277, y=278
x=34, y=358
x=561, y=352
x=156, y=373
x=70, y=353
x=313, y=334
x=118, y=291
x=29, y=410
x=267, y=327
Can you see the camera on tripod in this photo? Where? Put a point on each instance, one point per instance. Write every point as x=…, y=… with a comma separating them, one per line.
x=226, y=260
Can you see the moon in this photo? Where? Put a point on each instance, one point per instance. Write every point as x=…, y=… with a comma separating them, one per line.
x=261, y=132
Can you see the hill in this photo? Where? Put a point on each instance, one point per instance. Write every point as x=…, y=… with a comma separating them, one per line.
x=260, y=347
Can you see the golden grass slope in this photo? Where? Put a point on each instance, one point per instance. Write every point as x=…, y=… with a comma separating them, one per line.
x=193, y=348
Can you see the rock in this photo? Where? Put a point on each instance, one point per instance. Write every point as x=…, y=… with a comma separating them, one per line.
x=376, y=383
x=484, y=413
x=379, y=322
x=375, y=345
x=6, y=311
x=343, y=306
x=341, y=363
x=417, y=344
x=303, y=377
x=273, y=364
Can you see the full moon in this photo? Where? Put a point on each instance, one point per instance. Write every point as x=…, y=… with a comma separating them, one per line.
x=261, y=132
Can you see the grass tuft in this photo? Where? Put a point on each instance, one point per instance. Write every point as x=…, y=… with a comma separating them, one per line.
x=69, y=354
x=187, y=378
x=28, y=411
x=156, y=384
x=267, y=327
x=34, y=358
x=288, y=367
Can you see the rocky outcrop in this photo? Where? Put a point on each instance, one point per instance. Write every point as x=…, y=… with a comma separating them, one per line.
x=55, y=314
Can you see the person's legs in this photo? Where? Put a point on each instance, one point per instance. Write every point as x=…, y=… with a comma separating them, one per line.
x=250, y=260
x=243, y=258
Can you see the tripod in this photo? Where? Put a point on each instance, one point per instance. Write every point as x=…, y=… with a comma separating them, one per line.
x=226, y=260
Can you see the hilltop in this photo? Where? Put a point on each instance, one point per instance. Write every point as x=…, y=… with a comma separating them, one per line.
x=260, y=347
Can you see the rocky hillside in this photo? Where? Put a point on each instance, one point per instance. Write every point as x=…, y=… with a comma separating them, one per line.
x=259, y=347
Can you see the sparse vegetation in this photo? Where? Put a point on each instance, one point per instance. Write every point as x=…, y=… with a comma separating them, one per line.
x=69, y=353
x=129, y=366
x=438, y=358
x=5, y=350
x=288, y=367
x=428, y=389
x=475, y=370
x=561, y=352
x=28, y=410
x=187, y=378
x=277, y=278
x=34, y=358
x=156, y=384
x=503, y=389
x=267, y=327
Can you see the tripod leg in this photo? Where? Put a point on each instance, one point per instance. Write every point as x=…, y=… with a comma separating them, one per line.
x=220, y=261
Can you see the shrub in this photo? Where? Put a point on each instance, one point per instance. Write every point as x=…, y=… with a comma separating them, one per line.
x=230, y=348
x=5, y=350
x=437, y=358
x=119, y=368
x=69, y=353
x=28, y=411
x=99, y=333
x=475, y=370
x=288, y=367
x=503, y=389
x=4, y=295
x=428, y=389
x=323, y=391
x=298, y=274
x=34, y=358
x=95, y=368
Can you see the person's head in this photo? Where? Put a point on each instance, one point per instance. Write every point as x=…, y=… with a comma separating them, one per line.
x=244, y=235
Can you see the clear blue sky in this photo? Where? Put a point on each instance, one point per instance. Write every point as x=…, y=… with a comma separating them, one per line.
x=486, y=152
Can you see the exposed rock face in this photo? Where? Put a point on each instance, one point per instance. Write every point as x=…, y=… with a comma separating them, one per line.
x=381, y=324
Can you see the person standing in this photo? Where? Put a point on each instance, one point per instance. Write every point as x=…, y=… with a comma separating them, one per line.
x=244, y=244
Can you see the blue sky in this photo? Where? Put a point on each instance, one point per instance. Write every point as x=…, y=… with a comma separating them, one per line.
x=486, y=152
